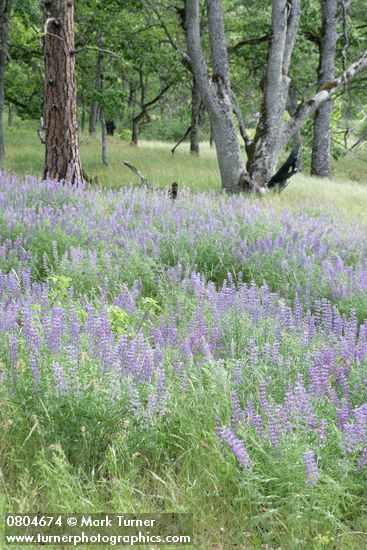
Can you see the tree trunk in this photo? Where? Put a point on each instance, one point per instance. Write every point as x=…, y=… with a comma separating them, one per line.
x=104, y=139
x=95, y=108
x=292, y=109
x=93, y=117
x=211, y=139
x=100, y=88
x=5, y=7
x=135, y=133
x=264, y=152
x=83, y=118
x=62, y=157
x=111, y=127
x=320, y=164
x=216, y=92
x=195, y=119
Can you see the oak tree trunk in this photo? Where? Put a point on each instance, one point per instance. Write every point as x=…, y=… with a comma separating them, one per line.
x=195, y=119
x=216, y=91
x=265, y=150
x=5, y=7
x=62, y=157
x=321, y=165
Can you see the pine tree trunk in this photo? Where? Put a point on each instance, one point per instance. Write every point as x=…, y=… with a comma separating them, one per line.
x=321, y=157
x=195, y=119
x=5, y=7
x=62, y=157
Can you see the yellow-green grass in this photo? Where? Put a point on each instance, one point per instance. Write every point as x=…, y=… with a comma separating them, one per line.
x=25, y=155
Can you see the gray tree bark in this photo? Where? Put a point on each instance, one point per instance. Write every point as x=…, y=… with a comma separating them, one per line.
x=94, y=111
x=265, y=149
x=104, y=139
x=100, y=88
x=216, y=92
x=93, y=117
x=292, y=109
x=273, y=132
x=5, y=7
x=307, y=108
x=321, y=157
x=195, y=119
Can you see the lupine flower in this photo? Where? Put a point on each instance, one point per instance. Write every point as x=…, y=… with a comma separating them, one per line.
x=236, y=445
x=311, y=468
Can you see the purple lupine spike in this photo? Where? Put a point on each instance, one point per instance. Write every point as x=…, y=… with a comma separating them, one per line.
x=236, y=445
x=61, y=382
x=322, y=432
x=237, y=412
x=311, y=468
x=363, y=460
x=237, y=373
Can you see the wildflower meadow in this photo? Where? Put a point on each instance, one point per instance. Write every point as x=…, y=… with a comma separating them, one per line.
x=206, y=355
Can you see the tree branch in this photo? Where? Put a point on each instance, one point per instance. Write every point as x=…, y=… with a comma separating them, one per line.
x=241, y=124
x=326, y=92
x=312, y=37
x=248, y=42
x=185, y=59
x=95, y=49
x=137, y=172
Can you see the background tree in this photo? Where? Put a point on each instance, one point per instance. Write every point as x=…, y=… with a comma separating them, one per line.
x=321, y=161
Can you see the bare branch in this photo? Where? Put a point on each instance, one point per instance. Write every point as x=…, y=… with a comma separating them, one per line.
x=95, y=49
x=137, y=172
x=312, y=37
x=181, y=139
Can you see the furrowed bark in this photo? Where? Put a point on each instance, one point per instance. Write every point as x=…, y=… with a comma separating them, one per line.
x=62, y=156
x=320, y=164
x=5, y=7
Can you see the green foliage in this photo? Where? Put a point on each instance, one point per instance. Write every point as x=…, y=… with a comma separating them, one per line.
x=120, y=319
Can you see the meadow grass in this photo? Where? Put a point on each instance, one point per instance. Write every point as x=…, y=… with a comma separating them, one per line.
x=70, y=441
x=25, y=156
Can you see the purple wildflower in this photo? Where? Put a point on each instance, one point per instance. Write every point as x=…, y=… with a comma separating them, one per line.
x=236, y=445
x=311, y=468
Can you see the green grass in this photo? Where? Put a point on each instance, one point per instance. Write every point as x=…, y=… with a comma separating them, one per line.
x=25, y=155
